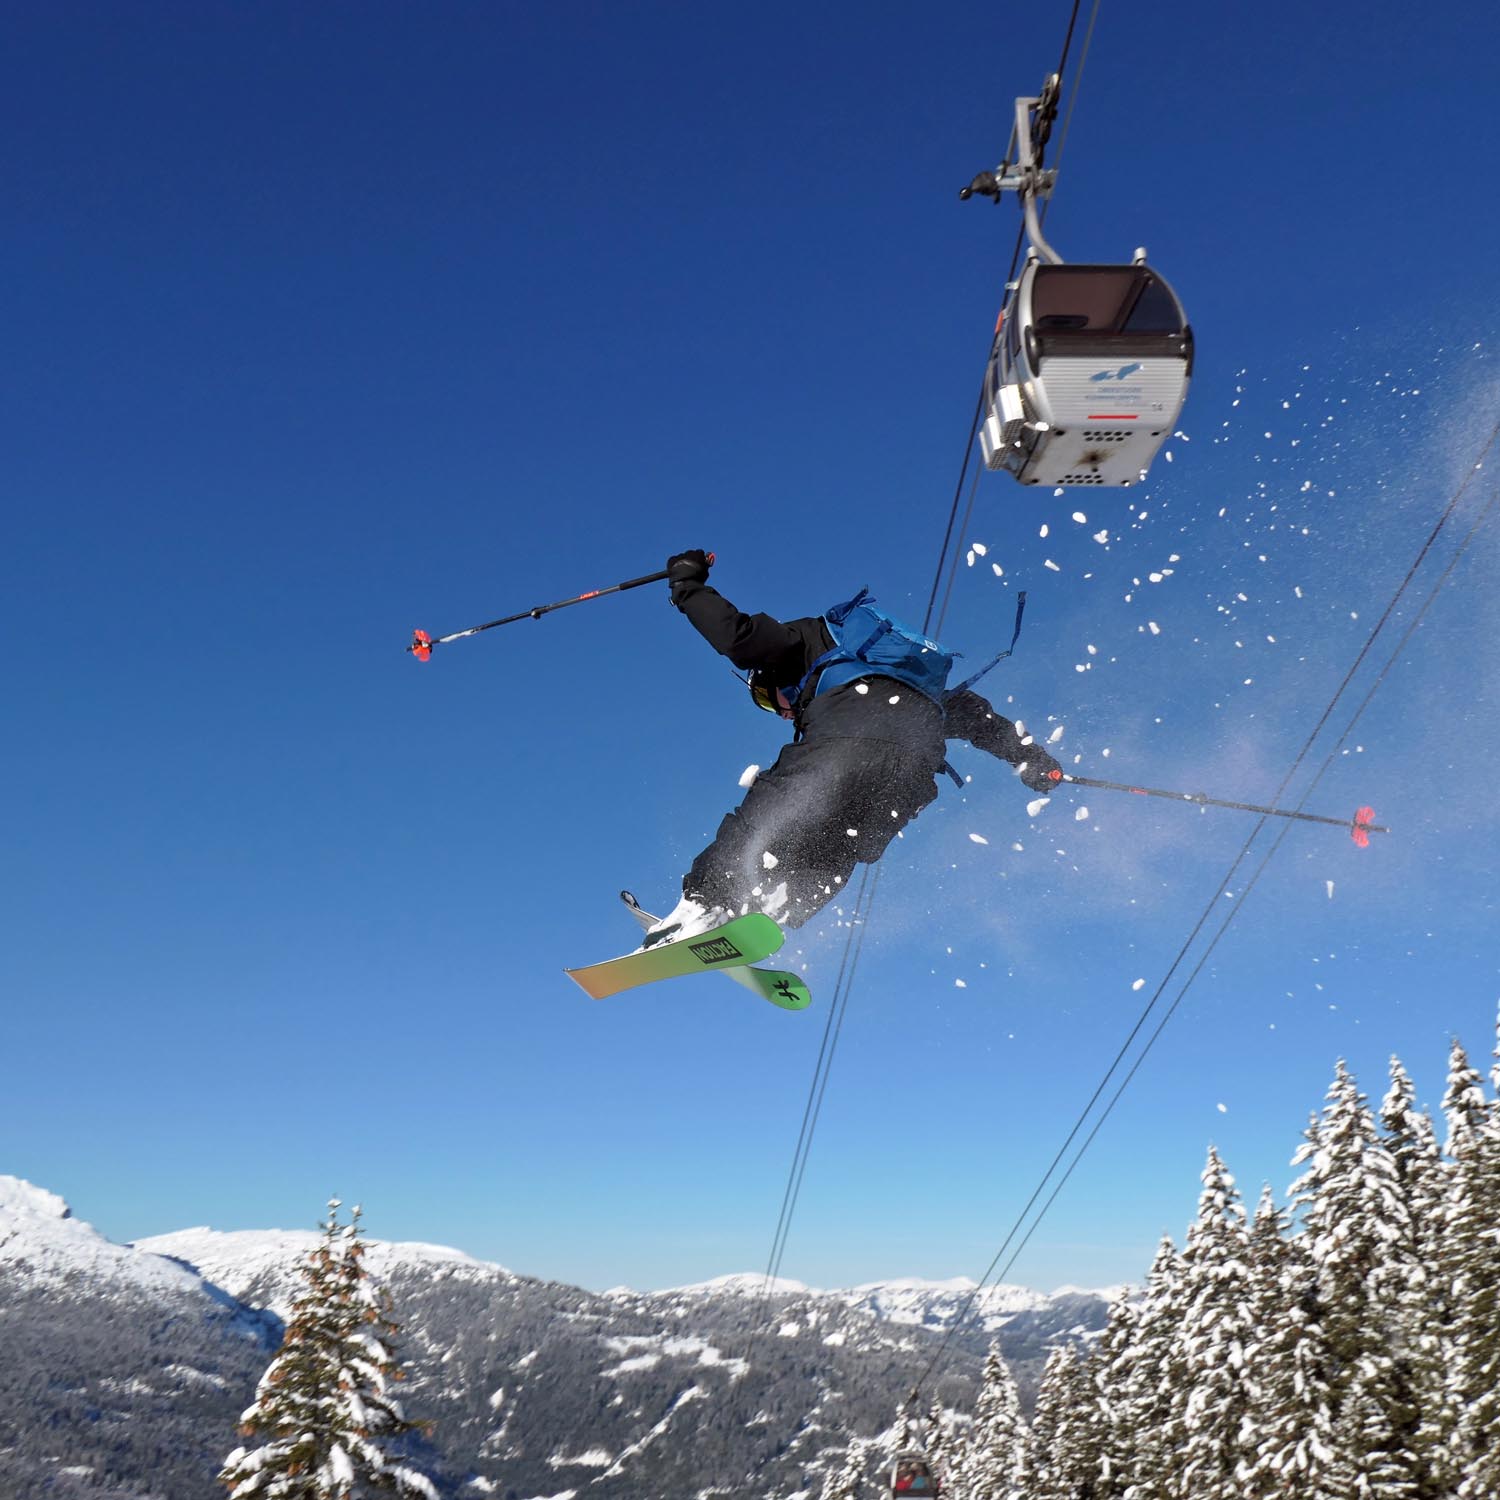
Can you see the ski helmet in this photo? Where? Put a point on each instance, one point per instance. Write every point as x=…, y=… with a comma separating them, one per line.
x=762, y=687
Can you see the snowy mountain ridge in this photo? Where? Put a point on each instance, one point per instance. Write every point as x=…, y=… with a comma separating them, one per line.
x=40, y=1236
x=907, y=1299
x=38, y=1226
x=936, y=1304
x=241, y=1259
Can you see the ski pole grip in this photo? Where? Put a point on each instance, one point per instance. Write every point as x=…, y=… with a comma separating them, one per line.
x=710, y=557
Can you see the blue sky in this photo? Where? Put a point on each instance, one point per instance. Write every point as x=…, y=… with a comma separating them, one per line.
x=329, y=322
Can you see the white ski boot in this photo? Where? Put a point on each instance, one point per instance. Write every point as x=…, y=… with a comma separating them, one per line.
x=689, y=918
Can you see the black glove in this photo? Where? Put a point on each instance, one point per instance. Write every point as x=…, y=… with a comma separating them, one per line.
x=1040, y=772
x=686, y=567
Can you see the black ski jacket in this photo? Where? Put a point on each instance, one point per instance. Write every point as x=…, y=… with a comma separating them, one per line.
x=786, y=650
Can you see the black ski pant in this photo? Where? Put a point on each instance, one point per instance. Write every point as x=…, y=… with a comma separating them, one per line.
x=825, y=806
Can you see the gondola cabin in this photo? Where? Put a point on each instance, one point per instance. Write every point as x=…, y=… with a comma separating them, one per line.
x=1088, y=375
x=912, y=1475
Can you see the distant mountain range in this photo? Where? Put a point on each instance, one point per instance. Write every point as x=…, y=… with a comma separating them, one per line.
x=123, y=1368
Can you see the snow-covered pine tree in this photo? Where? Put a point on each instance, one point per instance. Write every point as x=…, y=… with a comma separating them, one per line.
x=1216, y=1335
x=939, y=1442
x=1288, y=1441
x=1146, y=1399
x=1356, y=1222
x=1064, y=1449
x=1464, y=1106
x=1495, y=1057
x=1371, y=1462
x=1111, y=1369
x=989, y=1464
x=1421, y=1332
x=1471, y=1257
x=1412, y=1142
x=324, y=1406
x=847, y=1481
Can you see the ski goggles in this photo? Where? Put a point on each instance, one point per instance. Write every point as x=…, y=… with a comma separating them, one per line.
x=763, y=695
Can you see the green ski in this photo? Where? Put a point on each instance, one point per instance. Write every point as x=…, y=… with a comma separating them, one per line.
x=782, y=989
x=741, y=941
x=776, y=985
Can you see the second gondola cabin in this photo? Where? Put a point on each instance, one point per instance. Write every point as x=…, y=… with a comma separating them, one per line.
x=912, y=1475
x=1088, y=374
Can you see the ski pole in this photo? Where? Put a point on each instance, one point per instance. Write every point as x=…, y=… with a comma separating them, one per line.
x=1361, y=825
x=422, y=643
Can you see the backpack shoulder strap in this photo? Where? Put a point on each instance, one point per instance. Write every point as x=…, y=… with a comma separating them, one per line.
x=995, y=661
x=836, y=614
x=834, y=618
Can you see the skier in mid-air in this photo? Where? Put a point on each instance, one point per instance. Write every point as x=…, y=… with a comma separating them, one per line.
x=869, y=745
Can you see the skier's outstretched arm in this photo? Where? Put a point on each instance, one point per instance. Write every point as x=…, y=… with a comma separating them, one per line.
x=978, y=722
x=751, y=642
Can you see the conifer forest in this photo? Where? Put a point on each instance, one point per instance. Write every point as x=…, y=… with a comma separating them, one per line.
x=1343, y=1345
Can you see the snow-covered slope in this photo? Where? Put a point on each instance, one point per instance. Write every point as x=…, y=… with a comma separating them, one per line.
x=736, y=1284
x=937, y=1304
x=262, y=1264
x=40, y=1238
x=909, y=1300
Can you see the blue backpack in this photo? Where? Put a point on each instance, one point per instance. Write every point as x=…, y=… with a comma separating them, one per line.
x=867, y=642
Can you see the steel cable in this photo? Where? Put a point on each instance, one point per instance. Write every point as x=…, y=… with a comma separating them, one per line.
x=1459, y=493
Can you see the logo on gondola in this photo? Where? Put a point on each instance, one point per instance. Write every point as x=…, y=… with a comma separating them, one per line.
x=1123, y=373
x=715, y=951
